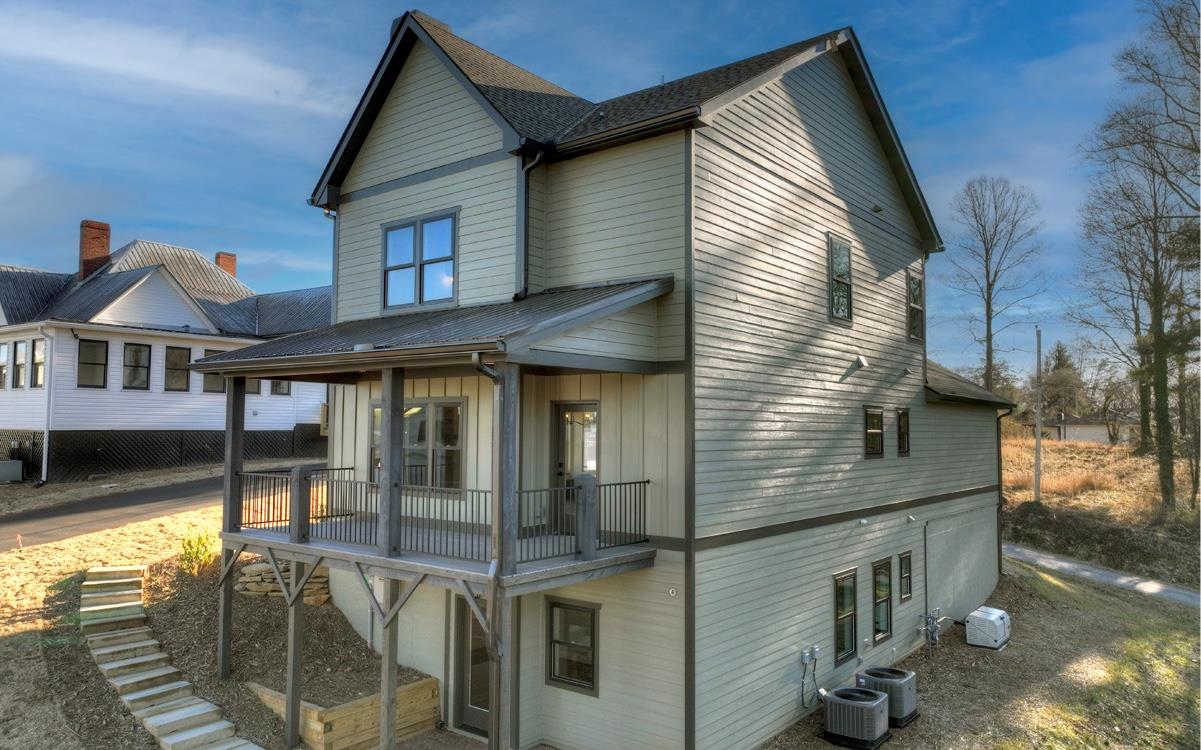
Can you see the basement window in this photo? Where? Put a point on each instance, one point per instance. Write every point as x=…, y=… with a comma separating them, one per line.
x=882, y=600
x=902, y=432
x=873, y=432
x=20, y=352
x=419, y=261
x=845, y=616
x=915, y=285
x=175, y=371
x=905, y=568
x=213, y=381
x=92, y=366
x=841, y=303
x=571, y=645
x=135, y=368
x=3, y=365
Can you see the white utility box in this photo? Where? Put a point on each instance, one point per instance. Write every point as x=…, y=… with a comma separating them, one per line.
x=988, y=627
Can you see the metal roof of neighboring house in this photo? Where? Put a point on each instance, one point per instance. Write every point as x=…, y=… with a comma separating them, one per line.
x=84, y=300
x=946, y=385
x=294, y=310
x=501, y=326
x=24, y=292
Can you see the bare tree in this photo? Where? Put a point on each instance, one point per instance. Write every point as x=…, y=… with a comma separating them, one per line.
x=998, y=237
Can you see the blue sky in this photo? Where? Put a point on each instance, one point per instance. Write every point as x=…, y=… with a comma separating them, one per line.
x=206, y=125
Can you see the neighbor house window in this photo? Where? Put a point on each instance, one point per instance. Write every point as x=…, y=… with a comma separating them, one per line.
x=254, y=385
x=175, y=372
x=571, y=645
x=873, y=432
x=214, y=382
x=882, y=599
x=905, y=569
x=844, y=617
x=38, y=372
x=840, y=278
x=92, y=367
x=433, y=444
x=3, y=364
x=135, y=369
x=419, y=262
x=916, y=294
x=281, y=387
x=902, y=432
x=20, y=352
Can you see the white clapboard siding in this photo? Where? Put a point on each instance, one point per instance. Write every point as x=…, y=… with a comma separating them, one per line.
x=619, y=214
x=23, y=408
x=759, y=603
x=486, y=198
x=779, y=409
x=154, y=303
x=427, y=120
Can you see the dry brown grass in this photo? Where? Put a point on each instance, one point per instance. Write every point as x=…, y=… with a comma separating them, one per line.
x=1069, y=484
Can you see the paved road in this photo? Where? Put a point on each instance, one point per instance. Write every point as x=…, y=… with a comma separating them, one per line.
x=1095, y=574
x=98, y=513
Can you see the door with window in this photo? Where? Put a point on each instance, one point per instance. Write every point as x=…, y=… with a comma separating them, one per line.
x=473, y=668
x=576, y=451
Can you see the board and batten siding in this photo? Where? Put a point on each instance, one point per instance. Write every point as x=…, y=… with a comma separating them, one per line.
x=779, y=397
x=155, y=303
x=619, y=214
x=427, y=120
x=760, y=602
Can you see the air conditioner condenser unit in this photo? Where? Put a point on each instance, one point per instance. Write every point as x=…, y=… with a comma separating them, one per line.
x=988, y=627
x=900, y=685
x=856, y=717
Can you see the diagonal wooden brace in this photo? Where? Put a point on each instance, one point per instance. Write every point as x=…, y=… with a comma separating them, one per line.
x=386, y=618
x=298, y=587
x=229, y=567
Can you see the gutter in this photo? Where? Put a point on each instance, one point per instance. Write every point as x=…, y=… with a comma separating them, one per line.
x=48, y=383
x=662, y=124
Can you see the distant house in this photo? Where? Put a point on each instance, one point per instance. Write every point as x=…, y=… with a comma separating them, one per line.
x=1089, y=428
x=94, y=372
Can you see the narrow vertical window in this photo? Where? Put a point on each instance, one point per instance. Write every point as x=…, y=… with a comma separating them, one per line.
x=213, y=381
x=916, y=297
x=571, y=646
x=419, y=262
x=905, y=564
x=20, y=362
x=176, y=377
x=882, y=599
x=38, y=371
x=281, y=387
x=873, y=432
x=3, y=364
x=902, y=432
x=845, y=645
x=92, y=365
x=841, y=302
x=135, y=369
x=447, y=448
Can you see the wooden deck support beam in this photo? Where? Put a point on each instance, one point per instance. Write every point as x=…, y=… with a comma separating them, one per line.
x=231, y=514
x=295, y=647
x=389, y=630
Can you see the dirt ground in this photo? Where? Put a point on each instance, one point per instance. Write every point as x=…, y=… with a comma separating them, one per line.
x=1087, y=667
x=1118, y=522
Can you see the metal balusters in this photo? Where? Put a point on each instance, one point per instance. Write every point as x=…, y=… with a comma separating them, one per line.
x=622, y=513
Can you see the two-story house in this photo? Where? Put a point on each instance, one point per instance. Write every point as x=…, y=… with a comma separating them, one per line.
x=94, y=375
x=630, y=402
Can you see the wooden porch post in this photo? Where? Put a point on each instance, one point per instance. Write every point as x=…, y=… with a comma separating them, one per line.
x=387, y=653
x=295, y=646
x=391, y=451
x=231, y=516
x=506, y=452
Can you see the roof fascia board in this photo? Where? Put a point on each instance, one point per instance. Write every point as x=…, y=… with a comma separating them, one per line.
x=934, y=396
x=869, y=93
x=336, y=362
x=633, y=132
x=179, y=292
x=405, y=34
x=116, y=328
x=603, y=308
x=724, y=99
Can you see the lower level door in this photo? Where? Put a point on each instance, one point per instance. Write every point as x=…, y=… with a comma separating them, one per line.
x=474, y=668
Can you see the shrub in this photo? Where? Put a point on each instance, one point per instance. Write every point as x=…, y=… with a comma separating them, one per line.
x=197, y=551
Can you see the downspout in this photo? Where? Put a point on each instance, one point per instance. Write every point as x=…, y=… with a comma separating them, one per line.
x=1000, y=486
x=48, y=376
x=494, y=685
x=523, y=256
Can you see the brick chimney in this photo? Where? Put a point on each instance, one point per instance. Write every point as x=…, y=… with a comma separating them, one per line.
x=93, y=246
x=227, y=262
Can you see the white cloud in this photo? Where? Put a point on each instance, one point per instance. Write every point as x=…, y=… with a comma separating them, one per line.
x=204, y=64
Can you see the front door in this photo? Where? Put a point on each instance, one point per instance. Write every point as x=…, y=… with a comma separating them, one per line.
x=576, y=451
x=474, y=668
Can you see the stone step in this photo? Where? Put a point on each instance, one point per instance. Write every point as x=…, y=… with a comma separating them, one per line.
x=110, y=584
x=197, y=737
x=171, y=705
x=106, y=654
x=134, y=664
x=109, y=624
x=109, y=572
x=147, y=678
x=233, y=743
x=157, y=695
x=116, y=596
x=116, y=637
x=170, y=722
x=102, y=611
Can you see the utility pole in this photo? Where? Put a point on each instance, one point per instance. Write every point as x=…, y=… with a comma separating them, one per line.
x=1038, y=414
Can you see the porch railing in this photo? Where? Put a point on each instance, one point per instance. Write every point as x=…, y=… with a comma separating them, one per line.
x=621, y=507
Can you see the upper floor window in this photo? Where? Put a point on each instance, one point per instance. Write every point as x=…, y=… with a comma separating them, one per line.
x=175, y=369
x=281, y=387
x=135, y=369
x=902, y=432
x=91, y=370
x=213, y=382
x=20, y=353
x=915, y=286
x=37, y=374
x=845, y=617
x=840, y=278
x=873, y=432
x=3, y=364
x=419, y=261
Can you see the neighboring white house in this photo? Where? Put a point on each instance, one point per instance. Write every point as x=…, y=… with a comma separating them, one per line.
x=94, y=372
x=636, y=396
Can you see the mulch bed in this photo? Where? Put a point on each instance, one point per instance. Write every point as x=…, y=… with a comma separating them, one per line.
x=338, y=665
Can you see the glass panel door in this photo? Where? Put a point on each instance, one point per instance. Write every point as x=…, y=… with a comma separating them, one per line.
x=474, y=669
x=576, y=449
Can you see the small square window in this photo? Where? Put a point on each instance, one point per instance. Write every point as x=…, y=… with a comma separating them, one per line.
x=281, y=387
x=571, y=646
x=419, y=262
x=254, y=387
x=873, y=432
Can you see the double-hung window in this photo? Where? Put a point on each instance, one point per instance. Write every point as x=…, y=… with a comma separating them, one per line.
x=92, y=367
x=571, y=645
x=873, y=432
x=905, y=566
x=841, y=303
x=3, y=364
x=175, y=371
x=20, y=353
x=419, y=261
x=902, y=432
x=882, y=599
x=281, y=387
x=37, y=374
x=213, y=381
x=845, y=645
x=135, y=369
x=433, y=444
x=915, y=286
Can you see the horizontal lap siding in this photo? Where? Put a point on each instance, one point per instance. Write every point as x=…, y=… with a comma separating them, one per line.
x=620, y=213
x=427, y=120
x=486, y=197
x=631, y=334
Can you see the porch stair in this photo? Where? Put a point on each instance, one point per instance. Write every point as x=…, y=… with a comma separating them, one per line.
x=113, y=621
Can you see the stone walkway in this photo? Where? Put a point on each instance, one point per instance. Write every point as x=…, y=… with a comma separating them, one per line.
x=1071, y=567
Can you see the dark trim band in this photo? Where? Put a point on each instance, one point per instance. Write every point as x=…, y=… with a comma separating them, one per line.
x=430, y=174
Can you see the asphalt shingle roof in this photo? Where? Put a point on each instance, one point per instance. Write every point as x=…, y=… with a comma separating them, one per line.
x=24, y=292
x=951, y=386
